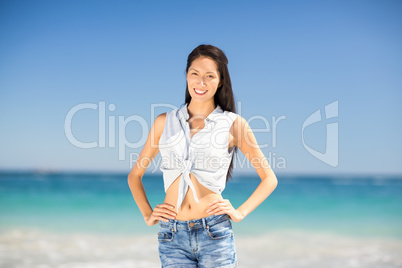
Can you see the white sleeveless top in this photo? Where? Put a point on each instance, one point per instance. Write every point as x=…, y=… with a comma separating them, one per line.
x=205, y=155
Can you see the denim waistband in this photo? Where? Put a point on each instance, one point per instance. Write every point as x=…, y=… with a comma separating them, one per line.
x=194, y=224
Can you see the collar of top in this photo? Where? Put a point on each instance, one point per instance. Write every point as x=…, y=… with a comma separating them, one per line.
x=183, y=113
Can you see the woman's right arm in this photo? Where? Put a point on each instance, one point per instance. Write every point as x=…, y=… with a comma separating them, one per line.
x=148, y=153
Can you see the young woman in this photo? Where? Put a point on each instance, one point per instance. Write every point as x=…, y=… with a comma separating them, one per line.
x=197, y=142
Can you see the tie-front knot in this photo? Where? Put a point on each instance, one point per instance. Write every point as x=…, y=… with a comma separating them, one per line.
x=185, y=182
x=187, y=165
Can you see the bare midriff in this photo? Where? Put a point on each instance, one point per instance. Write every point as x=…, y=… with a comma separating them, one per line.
x=190, y=209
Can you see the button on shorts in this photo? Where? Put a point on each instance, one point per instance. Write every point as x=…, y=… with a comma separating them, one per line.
x=204, y=242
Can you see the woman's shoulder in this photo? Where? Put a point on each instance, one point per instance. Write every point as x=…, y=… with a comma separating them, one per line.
x=163, y=119
x=239, y=123
x=159, y=123
x=235, y=118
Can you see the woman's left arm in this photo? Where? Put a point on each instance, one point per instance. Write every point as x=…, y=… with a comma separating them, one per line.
x=245, y=140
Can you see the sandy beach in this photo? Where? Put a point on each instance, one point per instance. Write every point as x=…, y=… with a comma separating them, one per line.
x=287, y=248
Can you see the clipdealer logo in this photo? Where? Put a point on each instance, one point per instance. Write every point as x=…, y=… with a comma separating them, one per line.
x=330, y=156
x=109, y=124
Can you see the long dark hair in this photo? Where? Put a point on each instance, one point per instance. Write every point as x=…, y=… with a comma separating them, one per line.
x=224, y=95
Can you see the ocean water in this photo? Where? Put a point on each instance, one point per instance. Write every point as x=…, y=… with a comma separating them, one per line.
x=91, y=220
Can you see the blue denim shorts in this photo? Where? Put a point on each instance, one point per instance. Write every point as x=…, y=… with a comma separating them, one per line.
x=204, y=242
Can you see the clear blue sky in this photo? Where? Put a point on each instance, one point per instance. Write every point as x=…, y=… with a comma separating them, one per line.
x=286, y=58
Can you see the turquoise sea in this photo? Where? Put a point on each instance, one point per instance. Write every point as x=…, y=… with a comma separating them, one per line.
x=91, y=220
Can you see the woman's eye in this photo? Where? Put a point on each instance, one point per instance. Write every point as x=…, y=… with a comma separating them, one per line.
x=210, y=76
x=193, y=73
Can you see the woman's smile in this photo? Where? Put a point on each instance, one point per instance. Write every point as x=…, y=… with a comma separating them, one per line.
x=200, y=92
